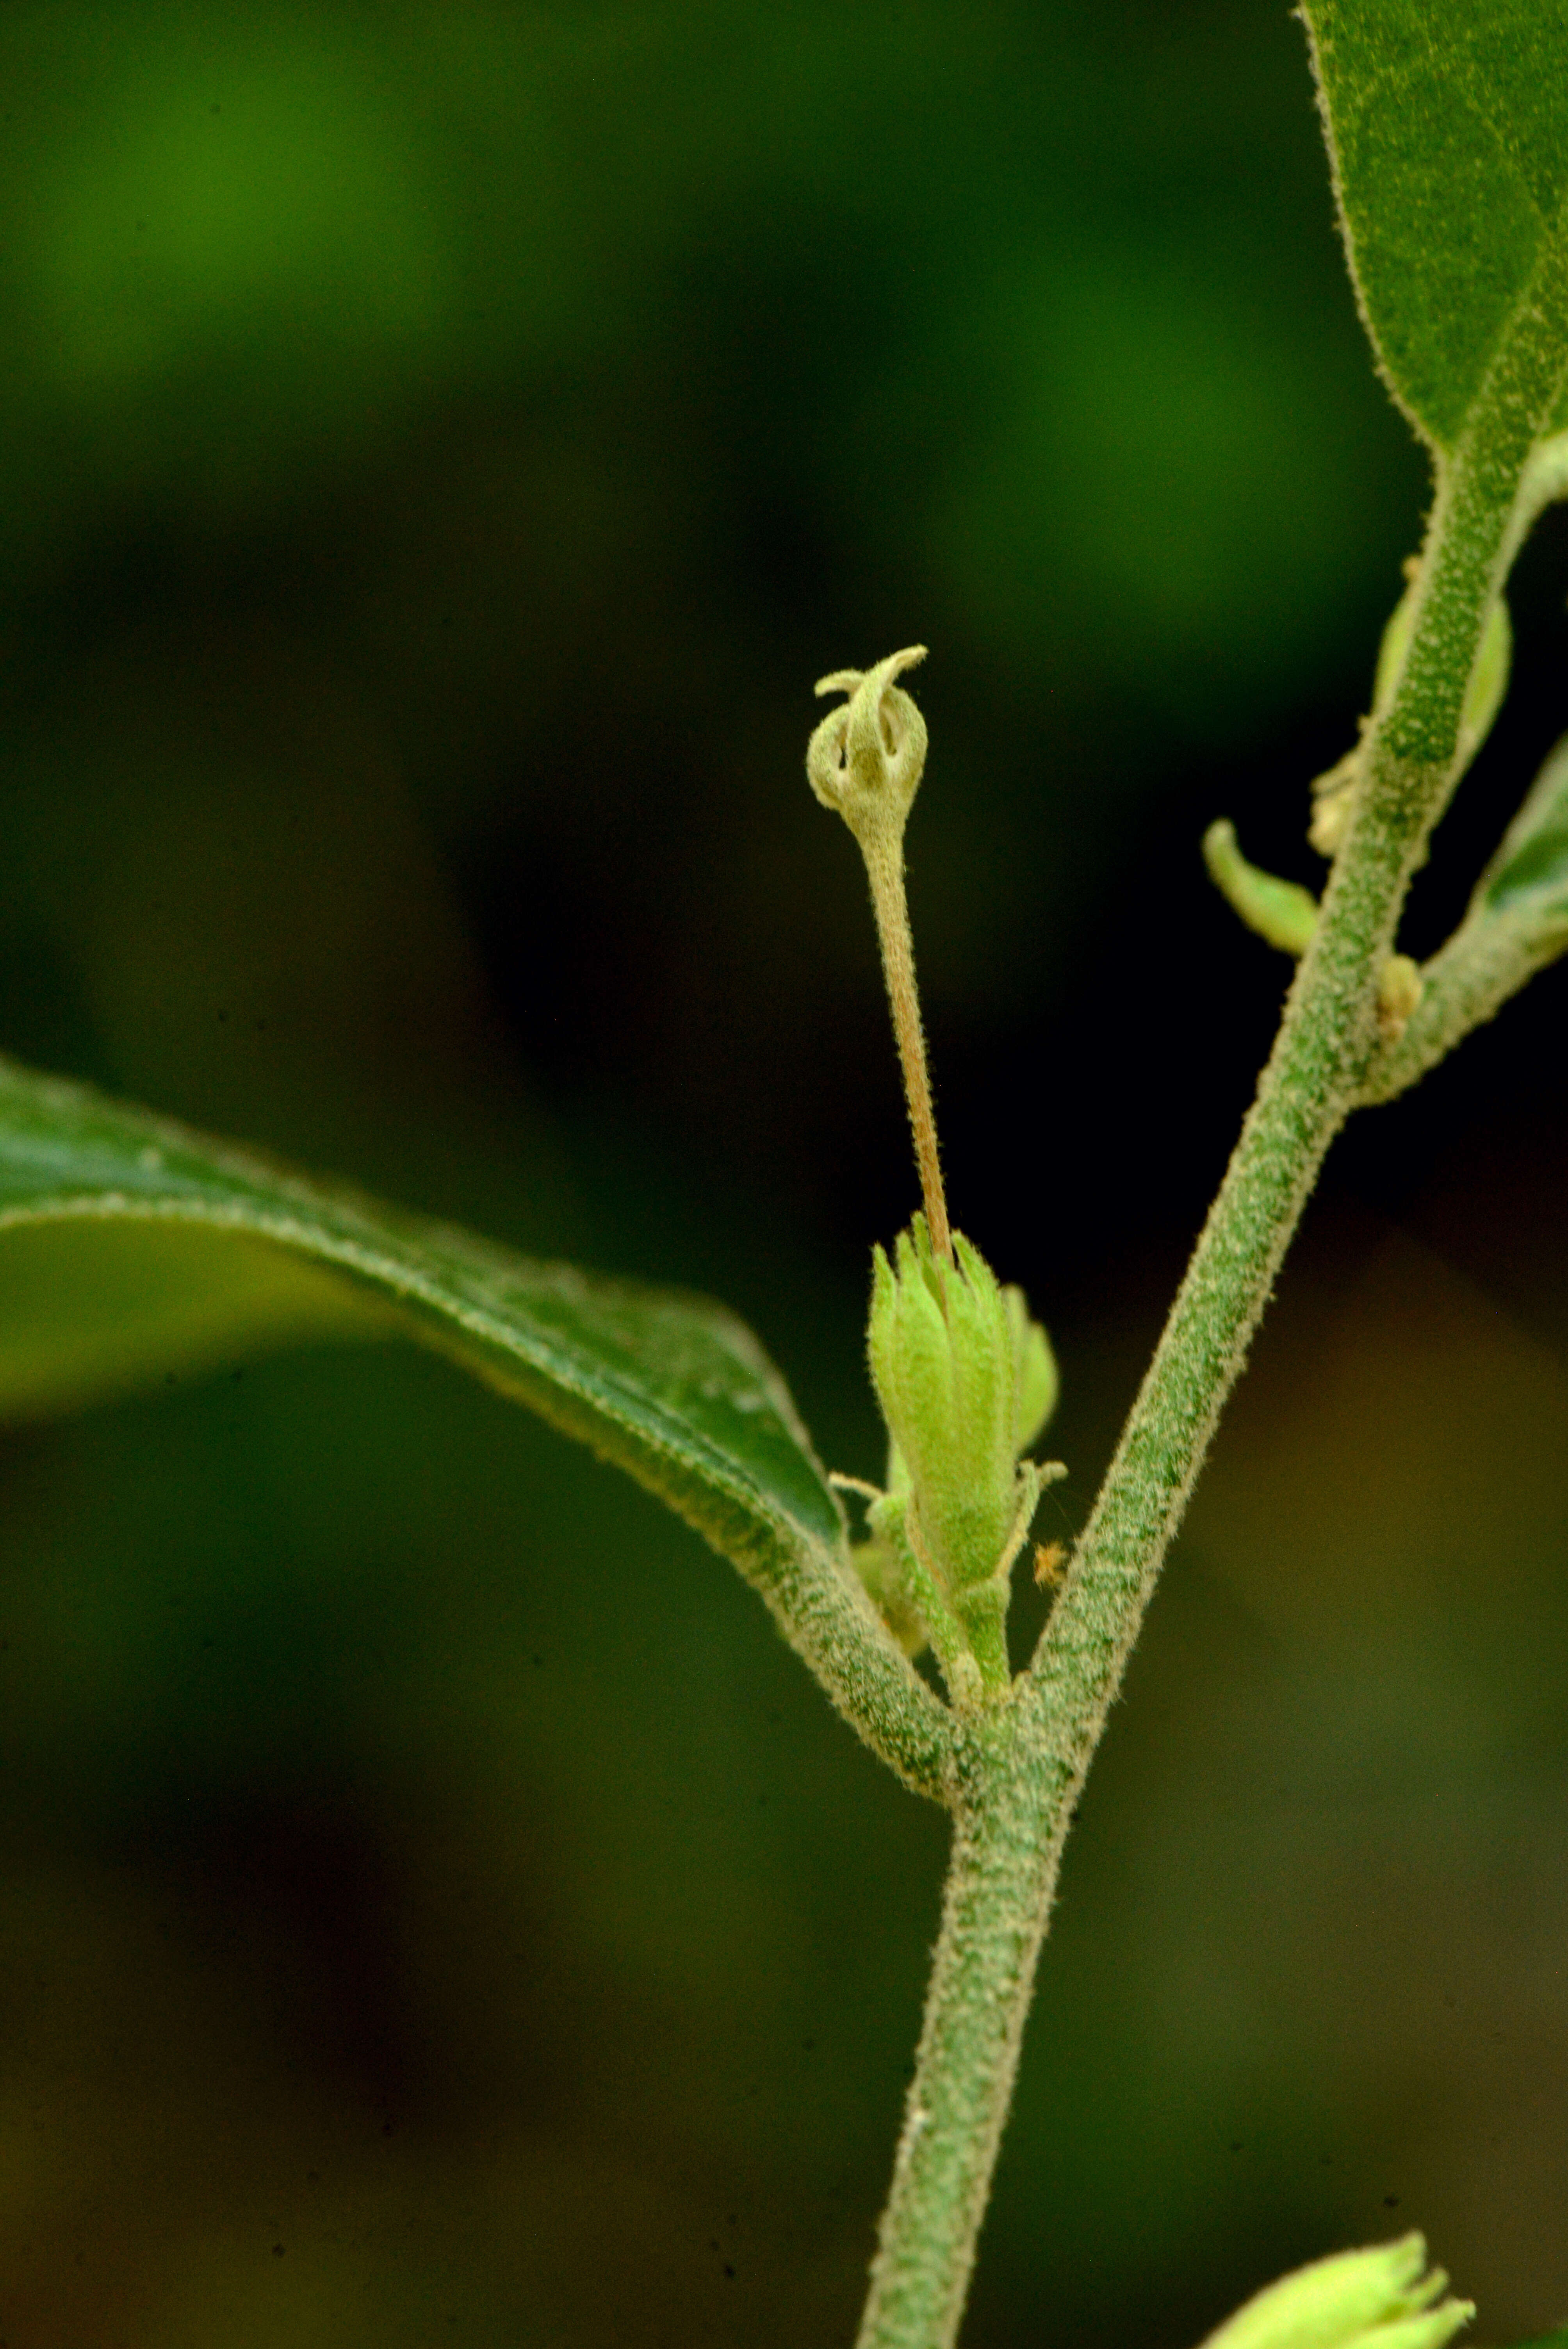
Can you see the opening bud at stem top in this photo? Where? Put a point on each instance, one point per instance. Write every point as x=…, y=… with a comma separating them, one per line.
x=866, y=760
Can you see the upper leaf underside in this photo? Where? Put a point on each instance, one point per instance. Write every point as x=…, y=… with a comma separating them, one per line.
x=1447, y=124
x=129, y=1246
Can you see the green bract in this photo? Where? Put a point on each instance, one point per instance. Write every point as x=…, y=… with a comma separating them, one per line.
x=1283, y=911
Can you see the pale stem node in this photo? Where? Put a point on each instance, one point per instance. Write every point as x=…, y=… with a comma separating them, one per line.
x=866, y=760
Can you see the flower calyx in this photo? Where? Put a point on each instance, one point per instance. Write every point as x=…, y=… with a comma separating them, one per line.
x=1381, y=2298
x=967, y=1381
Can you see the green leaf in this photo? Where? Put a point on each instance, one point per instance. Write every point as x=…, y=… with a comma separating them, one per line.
x=94, y=1309
x=1527, y=880
x=1448, y=126
x=132, y=1246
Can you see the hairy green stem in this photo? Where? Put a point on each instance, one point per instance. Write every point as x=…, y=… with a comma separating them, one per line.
x=825, y=1613
x=997, y=1898
x=1019, y=1778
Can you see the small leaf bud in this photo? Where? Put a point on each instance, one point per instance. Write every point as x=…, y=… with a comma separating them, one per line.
x=1375, y=2299
x=1394, y=643
x=1399, y=990
x=1332, y=795
x=1283, y=911
x=1488, y=679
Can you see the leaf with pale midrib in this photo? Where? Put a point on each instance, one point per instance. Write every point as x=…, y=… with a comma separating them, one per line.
x=129, y=1245
x=1448, y=122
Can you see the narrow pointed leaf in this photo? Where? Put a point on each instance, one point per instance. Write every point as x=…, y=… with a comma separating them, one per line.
x=131, y=1245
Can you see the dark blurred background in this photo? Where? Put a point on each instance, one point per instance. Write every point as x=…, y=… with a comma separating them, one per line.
x=440, y=446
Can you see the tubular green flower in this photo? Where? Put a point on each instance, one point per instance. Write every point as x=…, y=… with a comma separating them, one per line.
x=945, y=1359
x=965, y=1380
x=1381, y=2298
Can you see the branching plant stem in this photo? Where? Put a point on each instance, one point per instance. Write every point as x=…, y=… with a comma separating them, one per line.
x=1016, y=1771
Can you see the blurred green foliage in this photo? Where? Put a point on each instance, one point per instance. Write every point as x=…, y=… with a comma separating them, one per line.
x=439, y=449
